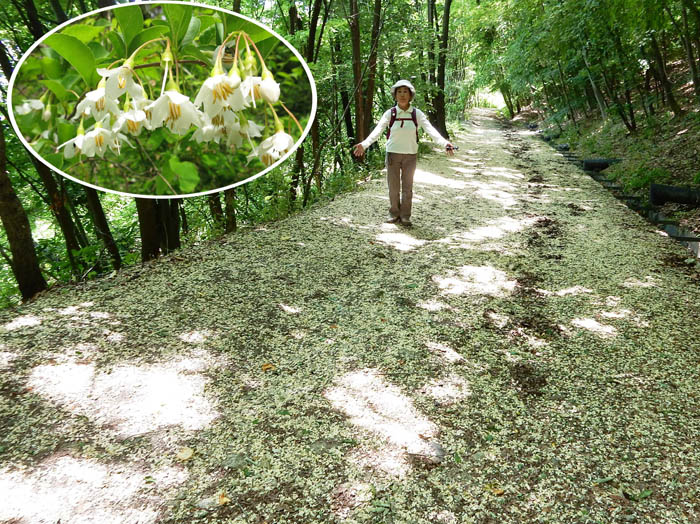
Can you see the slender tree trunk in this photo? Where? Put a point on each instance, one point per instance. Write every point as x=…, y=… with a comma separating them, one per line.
x=372, y=66
x=594, y=87
x=102, y=226
x=665, y=82
x=149, y=226
x=35, y=26
x=690, y=55
x=217, y=212
x=60, y=211
x=354, y=23
x=25, y=265
x=230, y=202
x=565, y=91
x=169, y=214
x=336, y=60
x=58, y=10
x=439, y=100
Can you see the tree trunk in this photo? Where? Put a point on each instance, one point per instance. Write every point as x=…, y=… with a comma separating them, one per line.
x=344, y=96
x=439, y=100
x=594, y=87
x=663, y=78
x=354, y=23
x=169, y=214
x=102, y=226
x=149, y=226
x=25, y=265
x=217, y=212
x=372, y=66
x=60, y=211
x=230, y=202
x=35, y=26
x=690, y=55
x=58, y=10
x=572, y=115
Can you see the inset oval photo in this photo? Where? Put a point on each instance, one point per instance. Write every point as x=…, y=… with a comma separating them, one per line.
x=162, y=99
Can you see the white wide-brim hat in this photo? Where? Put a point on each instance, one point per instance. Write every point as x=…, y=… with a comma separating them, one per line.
x=402, y=83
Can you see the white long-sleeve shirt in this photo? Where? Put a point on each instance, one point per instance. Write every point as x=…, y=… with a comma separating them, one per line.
x=402, y=139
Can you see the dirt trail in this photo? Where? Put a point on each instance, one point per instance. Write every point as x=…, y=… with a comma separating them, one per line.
x=526, y=352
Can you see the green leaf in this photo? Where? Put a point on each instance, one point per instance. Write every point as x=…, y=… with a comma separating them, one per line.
x=98, y=51
x=178, y=17
x=603, y=480
x=130, y=21
x=77, y=54
x=51, y=67
x=194, y=52
x=65, y=132
x=84, y=33
x=645, y=494
x=147, y=34
x=55, y=159
x=192, y=31
x=187, y=174
x=57, y=89
x=118, y=46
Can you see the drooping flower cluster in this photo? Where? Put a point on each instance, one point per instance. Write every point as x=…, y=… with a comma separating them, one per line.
x=120, y=106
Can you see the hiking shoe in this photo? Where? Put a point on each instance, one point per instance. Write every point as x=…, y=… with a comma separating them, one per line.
x=406, y=222
x=393, y=220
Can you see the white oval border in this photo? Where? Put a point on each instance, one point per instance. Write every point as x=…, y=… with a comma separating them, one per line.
x=36, y=44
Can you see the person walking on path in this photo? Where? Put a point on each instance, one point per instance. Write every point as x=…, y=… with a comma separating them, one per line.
x=403, y=122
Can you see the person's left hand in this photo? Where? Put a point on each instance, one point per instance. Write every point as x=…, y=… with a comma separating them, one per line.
x=449, y=149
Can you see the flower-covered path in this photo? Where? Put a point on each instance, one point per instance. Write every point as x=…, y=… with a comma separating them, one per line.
x=527, y=352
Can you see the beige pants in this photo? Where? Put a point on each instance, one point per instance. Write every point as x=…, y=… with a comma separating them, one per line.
x=399, y=174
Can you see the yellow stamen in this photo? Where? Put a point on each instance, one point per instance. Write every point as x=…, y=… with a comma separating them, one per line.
x=100, y=104
x=218, y=120
x=121, y=81
x=132, y=125
x=174, y=111
x=222, y=91
x=99, y=140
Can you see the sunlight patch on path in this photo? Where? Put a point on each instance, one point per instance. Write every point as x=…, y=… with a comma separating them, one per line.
x=445, y=352
x=6, y=358
x=476, y=280
x=495, y=229
x=426, y=177
x=131, y=399
x=447, y=390
x=398, y=240
x=82, y=491
x=24, y=321
x=195, y=337
x=381, y=408
x=592, y=325
x=634, y=282
x=489, y=192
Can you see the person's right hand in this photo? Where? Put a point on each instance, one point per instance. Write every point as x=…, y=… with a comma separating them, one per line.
x=358, y=150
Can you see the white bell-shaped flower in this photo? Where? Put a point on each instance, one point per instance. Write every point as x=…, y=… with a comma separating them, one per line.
x=208, y=131
x=272, y=148
x=174, y=110
x=97, y=141
x=268, y=89
x=214, y=93
x=133, y=121
x=73, y=145
x=121, y=79
x=29, y=105
x=96, y=104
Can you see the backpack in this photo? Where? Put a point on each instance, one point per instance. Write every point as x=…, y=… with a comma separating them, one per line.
x=402, y=120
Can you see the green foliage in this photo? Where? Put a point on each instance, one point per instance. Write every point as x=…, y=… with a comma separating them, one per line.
x=644, y=176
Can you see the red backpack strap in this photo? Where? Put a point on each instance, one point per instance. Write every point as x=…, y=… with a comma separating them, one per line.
x=391, y=122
